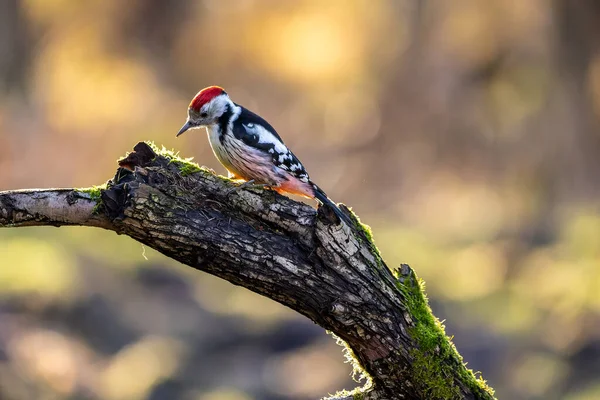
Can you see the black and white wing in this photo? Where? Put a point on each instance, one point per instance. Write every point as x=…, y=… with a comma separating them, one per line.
x=254, y=131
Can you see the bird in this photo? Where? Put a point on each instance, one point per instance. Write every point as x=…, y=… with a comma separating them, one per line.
x=250, y=149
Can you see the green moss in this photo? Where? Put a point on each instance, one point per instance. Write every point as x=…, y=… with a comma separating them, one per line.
x=368, y=234
x=185, y=165
x=366, y=229
x=188, y=169
x=436, y=360
x=358, y=395
x=95, y=194
x=430, y=375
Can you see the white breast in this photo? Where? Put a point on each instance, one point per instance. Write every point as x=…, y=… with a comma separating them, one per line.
x=217, y=147
x=242, y=160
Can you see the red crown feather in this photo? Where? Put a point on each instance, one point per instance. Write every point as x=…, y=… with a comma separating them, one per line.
x=206, y=95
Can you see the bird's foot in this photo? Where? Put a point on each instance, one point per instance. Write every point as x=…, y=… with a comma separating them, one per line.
x=248, y=184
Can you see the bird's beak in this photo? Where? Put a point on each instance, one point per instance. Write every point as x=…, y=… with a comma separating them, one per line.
x=185, y=127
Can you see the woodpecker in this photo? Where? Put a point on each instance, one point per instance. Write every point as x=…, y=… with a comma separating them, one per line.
x=250, y=148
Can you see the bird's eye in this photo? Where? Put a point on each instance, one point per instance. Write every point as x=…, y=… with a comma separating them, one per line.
x=204, y=115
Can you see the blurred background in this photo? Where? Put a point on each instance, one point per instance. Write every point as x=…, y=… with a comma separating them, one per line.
x=465, y=132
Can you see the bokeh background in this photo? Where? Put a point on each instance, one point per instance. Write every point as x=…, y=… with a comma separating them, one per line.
x=465, y=132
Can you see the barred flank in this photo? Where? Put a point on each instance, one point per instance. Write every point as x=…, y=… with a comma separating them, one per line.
x=245, y=162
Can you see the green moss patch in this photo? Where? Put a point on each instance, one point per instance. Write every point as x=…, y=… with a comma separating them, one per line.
x=366, y=229
x=368, y=235
x=435, y=361
x=185, y=165
x=95, y=194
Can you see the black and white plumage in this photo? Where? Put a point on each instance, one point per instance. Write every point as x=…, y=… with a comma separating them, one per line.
x=258, y=133
x=250, y=148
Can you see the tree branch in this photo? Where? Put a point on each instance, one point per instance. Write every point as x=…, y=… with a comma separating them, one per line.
x=280, y=248
x=55, y=207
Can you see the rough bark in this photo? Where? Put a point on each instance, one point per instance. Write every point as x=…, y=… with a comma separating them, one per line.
x=285, y=250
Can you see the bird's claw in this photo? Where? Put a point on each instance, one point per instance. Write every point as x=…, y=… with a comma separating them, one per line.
x=247, y=184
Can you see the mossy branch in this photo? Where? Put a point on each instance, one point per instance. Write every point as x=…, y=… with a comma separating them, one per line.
x=277, y=247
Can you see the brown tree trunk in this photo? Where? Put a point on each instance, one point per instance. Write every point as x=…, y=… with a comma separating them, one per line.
x=282, y=249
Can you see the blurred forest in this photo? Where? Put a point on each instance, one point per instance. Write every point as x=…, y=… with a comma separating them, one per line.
x=465, y=132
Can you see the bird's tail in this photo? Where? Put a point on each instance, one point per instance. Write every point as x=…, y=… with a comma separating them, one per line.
x=324, y=200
